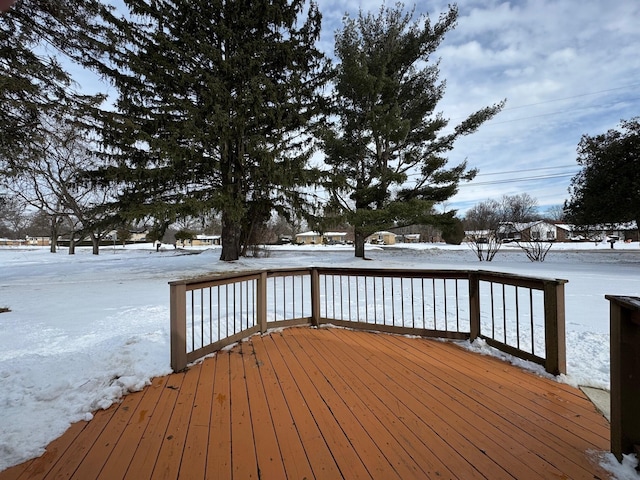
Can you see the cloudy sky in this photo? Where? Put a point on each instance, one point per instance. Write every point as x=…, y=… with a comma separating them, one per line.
x=565, y=67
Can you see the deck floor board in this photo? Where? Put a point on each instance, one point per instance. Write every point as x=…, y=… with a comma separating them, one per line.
x=333, y=403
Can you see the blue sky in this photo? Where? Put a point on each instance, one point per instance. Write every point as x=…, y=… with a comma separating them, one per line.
x=565, y=67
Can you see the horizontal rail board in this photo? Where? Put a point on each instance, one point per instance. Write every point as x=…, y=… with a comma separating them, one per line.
x=373, y=327
x=294, y=322
x=513, y=350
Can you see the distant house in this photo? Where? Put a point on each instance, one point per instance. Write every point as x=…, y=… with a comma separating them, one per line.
x=137, y=236
x=408, y=238
x=309, y=238
x=381, y=238
x=564, y=232
x=39, y=241
x=532, y=231
x=315, y=238
x=201, y=241
x=625, y=232
x=206, y=240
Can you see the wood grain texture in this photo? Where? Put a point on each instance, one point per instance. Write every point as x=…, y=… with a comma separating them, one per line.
x=326, y=403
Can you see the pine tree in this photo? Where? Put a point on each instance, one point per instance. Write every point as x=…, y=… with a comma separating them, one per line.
x=34, y=36
x=607, y=188
x=384, y=148
x=215, y=98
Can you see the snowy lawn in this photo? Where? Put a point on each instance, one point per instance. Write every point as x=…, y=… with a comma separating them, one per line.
x=83, y=330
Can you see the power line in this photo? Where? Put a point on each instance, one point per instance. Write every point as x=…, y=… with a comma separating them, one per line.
x=528, y=170
x=492, y=122
x=515, y=180
x=559, y=112
x=572, y=97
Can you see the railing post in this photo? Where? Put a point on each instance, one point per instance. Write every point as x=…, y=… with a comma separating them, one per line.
x=474, y=305
x=315, y=297
x=625, y=374
x=554, y=328
x=178, y=326
x=261, y=301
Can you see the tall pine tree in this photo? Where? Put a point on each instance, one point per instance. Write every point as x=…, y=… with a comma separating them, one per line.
x=384, y=144
x=215, y=98
x=34, y=36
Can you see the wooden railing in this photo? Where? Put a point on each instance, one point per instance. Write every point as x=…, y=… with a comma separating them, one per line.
x=625, y=375
x=522, y=316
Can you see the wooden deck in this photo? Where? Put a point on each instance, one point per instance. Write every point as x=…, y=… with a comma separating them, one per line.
x=329, y=403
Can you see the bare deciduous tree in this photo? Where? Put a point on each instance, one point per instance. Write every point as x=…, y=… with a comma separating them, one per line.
x=50, y=178
x=481, y=227
x=483, y=221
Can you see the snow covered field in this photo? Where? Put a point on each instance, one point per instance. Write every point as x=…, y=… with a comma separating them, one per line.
x=83, y=330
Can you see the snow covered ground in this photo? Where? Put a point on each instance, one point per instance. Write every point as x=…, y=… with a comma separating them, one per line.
x=83, y=330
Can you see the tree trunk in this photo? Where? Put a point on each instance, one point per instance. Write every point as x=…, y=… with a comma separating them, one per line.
x=95, y=242
x=360, y=237
x=72, y=244
x=53, y=240
x=231, y=234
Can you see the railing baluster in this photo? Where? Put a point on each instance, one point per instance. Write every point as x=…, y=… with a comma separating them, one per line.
x=424, y=314
x=517, y=321
x=201, y=318
x=435, y=317
x=366, y=301
x=413, y=310
x=193, y=342
x=457, y=306
x=446, y=316
x=393, y=302
x=493, y=319
x=533, y=343
x=375, y=301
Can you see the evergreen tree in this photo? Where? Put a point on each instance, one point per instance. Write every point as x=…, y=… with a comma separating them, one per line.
x=607, y=189
x=34, y=36
x=215, y=97
x=384, y=146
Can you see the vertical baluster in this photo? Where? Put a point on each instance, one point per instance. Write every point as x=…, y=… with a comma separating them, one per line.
x=493, y=317
x=533, y=343
x=517, y=321
x=433, y=293
x=192, y=322
x=504, y=314
x=446, y=316
x=201, y=317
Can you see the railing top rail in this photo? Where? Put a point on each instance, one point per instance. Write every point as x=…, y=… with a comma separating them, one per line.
x=631, y=303
x=245, y=274
x=219, y=278
x=508, y=278
x=393, y=272
x=537, y=283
